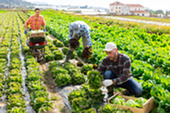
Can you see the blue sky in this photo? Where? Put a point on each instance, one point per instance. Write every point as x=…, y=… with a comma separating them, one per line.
x=152, y=4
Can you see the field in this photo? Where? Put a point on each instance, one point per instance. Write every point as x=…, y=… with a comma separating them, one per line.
x=28, y=85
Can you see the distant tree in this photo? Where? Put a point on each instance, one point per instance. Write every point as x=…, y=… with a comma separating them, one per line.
x=168, y=12
x=159, y=11
x=15, y=3
x=152, y=12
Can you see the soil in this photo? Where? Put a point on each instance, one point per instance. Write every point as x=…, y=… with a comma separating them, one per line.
x=58, y=105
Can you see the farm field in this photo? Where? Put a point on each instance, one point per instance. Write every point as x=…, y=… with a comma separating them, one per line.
x=29, y=86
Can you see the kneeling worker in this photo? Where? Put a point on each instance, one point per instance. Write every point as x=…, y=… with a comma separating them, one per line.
x=116, y=71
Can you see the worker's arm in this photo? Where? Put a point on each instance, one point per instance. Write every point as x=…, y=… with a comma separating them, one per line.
x=119, y=80
x=70, y=32
x=87, y=35
x=27, y=23
x=102, y=67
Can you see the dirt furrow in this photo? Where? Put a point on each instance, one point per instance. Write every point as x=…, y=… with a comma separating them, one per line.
x=58, y=107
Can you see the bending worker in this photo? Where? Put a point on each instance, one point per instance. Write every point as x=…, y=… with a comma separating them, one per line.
x=77, y=30
x=116, y=71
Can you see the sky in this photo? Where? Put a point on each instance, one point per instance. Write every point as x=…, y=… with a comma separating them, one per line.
x=151, y=4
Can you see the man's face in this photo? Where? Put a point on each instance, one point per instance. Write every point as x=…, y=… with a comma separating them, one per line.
x=111, y=54
x=37, y=12
x=75, y=35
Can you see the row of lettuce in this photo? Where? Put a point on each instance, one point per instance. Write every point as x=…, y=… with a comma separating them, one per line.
x=147, y=51
x=11, y=71
x=12, y=83
x=39, y=97
x=4, y=45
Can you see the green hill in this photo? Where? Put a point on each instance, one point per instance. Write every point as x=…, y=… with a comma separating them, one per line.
x=14, y=3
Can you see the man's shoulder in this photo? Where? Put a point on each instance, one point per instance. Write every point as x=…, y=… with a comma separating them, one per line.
x=41, y=16
x=105, y=59
x=32, y=16
x=124, y=56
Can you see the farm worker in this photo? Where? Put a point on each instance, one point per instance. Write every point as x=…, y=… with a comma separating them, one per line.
x=35, y=22
x=116, y=71
x=77, y=30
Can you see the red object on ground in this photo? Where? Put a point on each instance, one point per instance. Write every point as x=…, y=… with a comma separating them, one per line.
x=40, y=43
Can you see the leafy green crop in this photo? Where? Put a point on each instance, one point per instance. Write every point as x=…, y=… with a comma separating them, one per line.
x=65, y=50
x=62, y=79
x=15, y=100
x=108, y=108
x=118, y=100
x=40, y=102
x=53, y=64
x=75, y=94
x=55, y=71
x=58, y=43
x=131, y=103
x=87, y=67
x=94, y=79
x=91, y=110
x=77, y=78
x=140, y=101
x=16, y=110
x=71, y=68
x=58, y=55
x=80, y=103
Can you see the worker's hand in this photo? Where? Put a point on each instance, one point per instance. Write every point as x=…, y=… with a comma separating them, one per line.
x=107, y=82
x=87, y=52
x=89, y=48
x=25, y=31
x=74, y=43
x=44, y=30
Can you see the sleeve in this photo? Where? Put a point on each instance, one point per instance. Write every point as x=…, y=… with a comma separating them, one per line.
x=87, y=35
x=102, y=67
x=125, y=75
x=70, y=32
x=28, y=21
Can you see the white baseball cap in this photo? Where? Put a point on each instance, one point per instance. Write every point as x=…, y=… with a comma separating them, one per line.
x=76, y=28
x=110, y=46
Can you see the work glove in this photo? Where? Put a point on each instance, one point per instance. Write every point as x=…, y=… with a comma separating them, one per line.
x=25, y=31
x=107, y=82
x=74, y=43
x=44, y=30
x=87, y=52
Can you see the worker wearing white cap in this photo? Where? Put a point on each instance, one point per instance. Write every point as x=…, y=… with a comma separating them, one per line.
x=116, y=71
x=77, y=30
